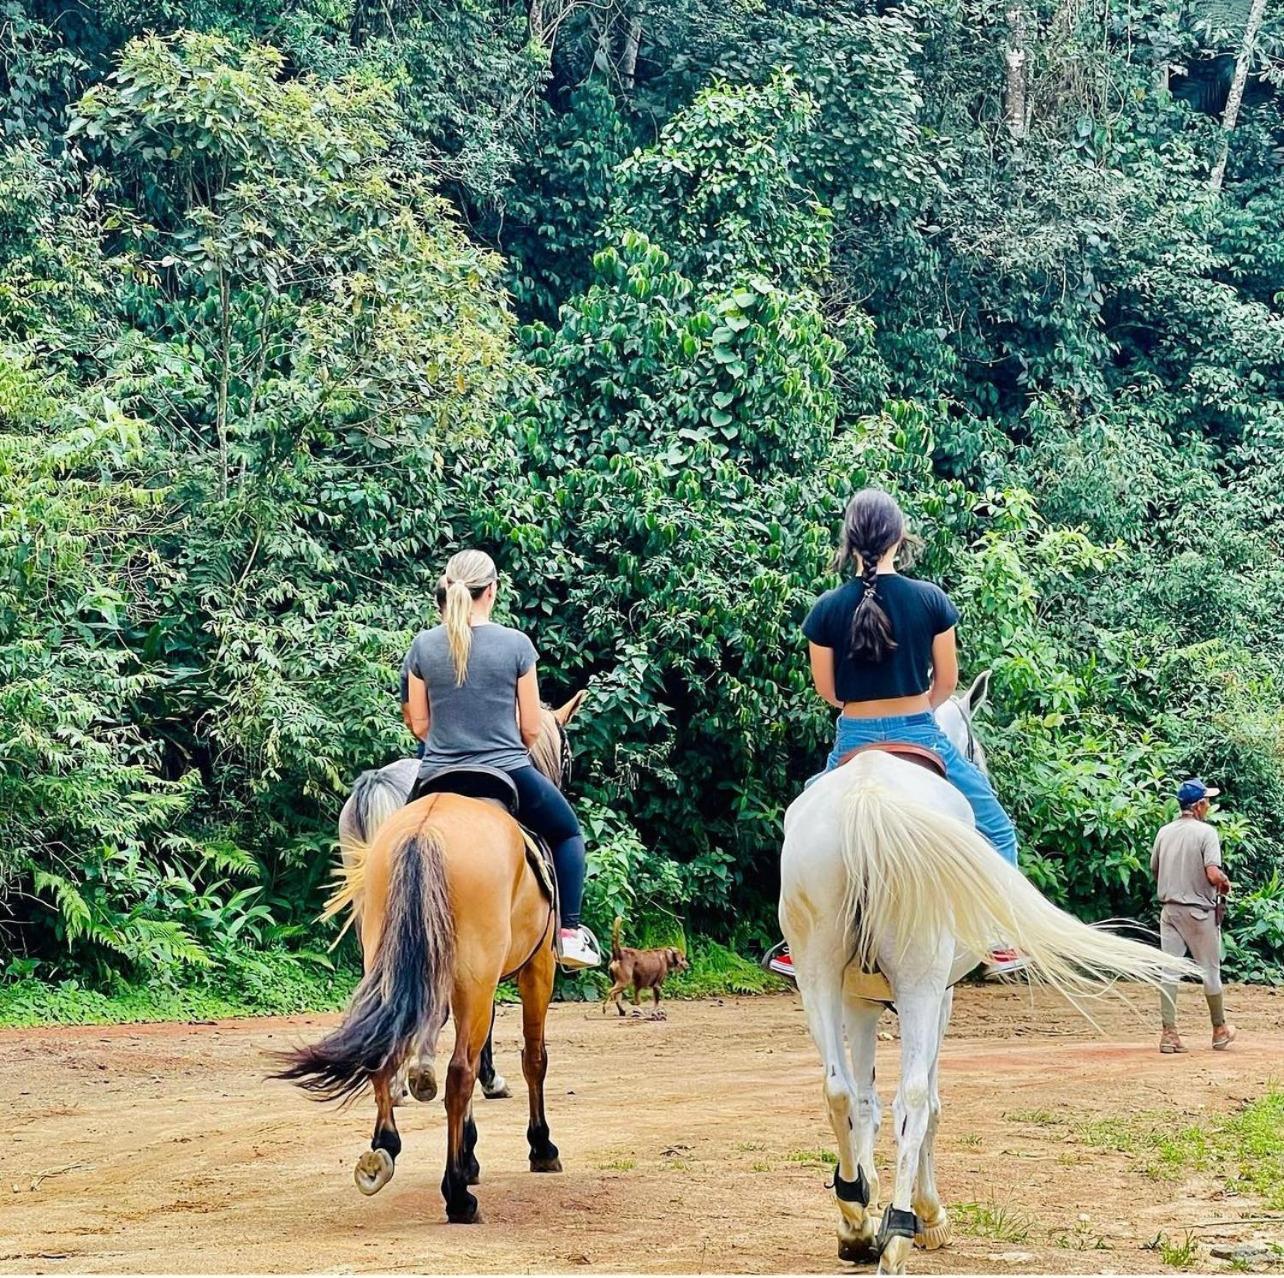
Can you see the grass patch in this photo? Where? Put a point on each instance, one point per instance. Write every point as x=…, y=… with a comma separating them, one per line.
x=1177, y=1255
x=988, y=1220
x=749, y=1147
x=1081, y=1238
x=254, y=983
x=282, y=983
x=618, y=1164
x=1244, y=1149
x=971, y=1140
x=812, y=1157
x=1039, y=1117
x=761, y=1167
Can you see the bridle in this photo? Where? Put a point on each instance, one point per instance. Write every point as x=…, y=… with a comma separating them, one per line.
x=969, y=751
x=565, y=758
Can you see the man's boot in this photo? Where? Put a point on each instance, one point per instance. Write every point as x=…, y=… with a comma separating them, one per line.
x=1223, y=1034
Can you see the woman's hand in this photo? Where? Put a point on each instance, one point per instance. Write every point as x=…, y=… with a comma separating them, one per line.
x=529, y=716
x=416, y=708
x=945, y=668
x=822, y=673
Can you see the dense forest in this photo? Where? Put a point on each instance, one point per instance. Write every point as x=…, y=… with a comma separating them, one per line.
x=299, y=297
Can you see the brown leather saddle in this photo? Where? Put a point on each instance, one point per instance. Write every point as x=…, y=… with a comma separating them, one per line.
x=496, y=786
x=921, y=755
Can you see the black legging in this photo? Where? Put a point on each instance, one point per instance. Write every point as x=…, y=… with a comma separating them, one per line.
x=543, y=807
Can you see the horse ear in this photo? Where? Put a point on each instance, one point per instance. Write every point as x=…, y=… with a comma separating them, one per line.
x=976, y=695
x=571, y=708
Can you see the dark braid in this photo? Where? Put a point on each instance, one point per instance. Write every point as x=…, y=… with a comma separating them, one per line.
x=872, y=525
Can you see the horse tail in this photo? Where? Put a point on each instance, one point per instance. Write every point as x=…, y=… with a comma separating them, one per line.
x=405, y=991
x=374, y=798
x=615, y=938
x=915, y=871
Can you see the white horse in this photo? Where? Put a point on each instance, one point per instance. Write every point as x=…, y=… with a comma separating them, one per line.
x=883, y=872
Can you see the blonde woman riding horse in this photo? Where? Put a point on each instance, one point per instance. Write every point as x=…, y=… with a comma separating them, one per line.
x=450, y=904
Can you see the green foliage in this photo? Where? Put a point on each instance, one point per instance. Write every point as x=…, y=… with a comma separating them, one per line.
x=259, y=376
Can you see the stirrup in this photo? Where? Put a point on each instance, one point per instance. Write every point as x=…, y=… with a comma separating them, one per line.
x=766, y=961
x=593, y=944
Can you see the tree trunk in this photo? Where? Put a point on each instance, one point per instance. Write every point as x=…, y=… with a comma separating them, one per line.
x=1016, y=58
x=1235, y=99
x=629, y=63
x=535, y=22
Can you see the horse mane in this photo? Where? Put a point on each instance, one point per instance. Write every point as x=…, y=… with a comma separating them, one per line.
x=551, y=751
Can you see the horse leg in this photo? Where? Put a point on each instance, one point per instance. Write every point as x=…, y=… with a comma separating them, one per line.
x=421, y=1070
x=375, y=1167
x=494, y=1086
x=861, y=1020
x=535, y=984
x=919, y=1008
x=933, y=1220
x=818, y=961
x=472, y=1020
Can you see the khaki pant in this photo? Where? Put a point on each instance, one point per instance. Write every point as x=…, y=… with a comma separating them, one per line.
x=1193, y=930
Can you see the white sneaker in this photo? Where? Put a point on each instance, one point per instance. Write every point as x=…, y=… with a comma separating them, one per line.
x=577, y=947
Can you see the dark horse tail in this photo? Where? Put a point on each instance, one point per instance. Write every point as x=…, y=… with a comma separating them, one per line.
x=406, y=989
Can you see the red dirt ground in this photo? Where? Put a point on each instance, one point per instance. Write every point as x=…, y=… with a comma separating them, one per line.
x=690, y=1144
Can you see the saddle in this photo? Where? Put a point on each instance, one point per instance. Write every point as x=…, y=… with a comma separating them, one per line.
x=476, y=781
x=906, y=750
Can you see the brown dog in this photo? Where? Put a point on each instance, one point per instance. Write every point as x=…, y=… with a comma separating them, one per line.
x=643, y=969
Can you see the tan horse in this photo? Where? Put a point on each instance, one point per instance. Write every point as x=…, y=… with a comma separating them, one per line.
x=377, y=795
x=449, y=907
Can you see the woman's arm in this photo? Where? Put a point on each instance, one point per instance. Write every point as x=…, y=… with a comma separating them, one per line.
x=528, y=709
x=945, y=668
x=417, y=707
x=822, y=673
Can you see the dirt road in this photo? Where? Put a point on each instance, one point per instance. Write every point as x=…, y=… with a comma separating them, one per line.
x=690, y=1144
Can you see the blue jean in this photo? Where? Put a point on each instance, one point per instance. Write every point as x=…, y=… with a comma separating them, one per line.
x=965, y=776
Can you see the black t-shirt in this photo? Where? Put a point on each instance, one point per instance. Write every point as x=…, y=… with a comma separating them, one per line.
x=918, y=611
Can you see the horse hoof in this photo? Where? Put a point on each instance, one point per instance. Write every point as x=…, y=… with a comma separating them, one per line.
x=373, y=1171
x=935, y=1235
x=553, y=1164
x=895, y=1253
x=498, y=1089
x=469, y=1213
x=858, y=1243
x=422, y=1082
x=858, y=1252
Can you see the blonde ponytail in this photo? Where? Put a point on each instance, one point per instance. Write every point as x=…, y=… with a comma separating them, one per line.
x=467, y=575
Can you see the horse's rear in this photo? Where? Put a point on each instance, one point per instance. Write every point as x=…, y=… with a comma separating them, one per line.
x=448, y=907
x=883, y=869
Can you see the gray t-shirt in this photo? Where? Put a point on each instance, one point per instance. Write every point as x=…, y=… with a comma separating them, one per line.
x=477, y=721
x=1182, y=851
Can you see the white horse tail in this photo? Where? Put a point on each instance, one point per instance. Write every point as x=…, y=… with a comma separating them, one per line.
x=913, y=872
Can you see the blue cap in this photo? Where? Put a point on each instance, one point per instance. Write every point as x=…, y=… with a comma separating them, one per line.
x=1193, y=790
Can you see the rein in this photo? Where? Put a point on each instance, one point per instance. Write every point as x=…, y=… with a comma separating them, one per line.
x=970, y=752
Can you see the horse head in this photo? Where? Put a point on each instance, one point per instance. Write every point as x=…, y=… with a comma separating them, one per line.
x=955, y=720
x=551, y=752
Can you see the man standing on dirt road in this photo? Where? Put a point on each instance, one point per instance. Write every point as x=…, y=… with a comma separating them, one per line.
x=1187, y=864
